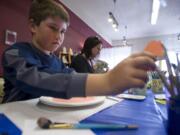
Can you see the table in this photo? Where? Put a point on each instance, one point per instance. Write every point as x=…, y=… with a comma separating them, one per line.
x=25, y=114
x=150, y=116
x=145, y=113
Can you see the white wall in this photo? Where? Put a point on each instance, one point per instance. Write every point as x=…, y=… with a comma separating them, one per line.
x=114, y=55
x=170, y=41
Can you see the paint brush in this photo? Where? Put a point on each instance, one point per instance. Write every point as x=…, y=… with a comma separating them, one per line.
x=177, y=74
x=164, y=80
x=178, y=62
x=45, y=123
x=159, y=50
x=171, y=78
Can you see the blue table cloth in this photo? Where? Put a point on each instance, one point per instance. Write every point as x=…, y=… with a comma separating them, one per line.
x=149, y=116
x=7, y=127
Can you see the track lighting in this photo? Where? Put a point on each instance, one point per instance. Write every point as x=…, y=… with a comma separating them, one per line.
x=178, y=36
x=113, y=20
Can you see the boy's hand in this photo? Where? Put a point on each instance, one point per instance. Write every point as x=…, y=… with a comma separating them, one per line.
x=131, y=72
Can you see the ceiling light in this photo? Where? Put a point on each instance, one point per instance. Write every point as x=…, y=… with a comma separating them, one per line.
x=124, y=40
x=113, y=20
x=178, y=36
x=114, y=25
x=163, y=3
x=155, y=11
x=110, y=20
x=116, y=29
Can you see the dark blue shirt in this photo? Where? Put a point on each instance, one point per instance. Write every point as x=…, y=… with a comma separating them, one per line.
x=30, y=73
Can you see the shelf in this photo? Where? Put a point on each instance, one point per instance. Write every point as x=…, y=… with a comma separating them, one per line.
x=66, y=57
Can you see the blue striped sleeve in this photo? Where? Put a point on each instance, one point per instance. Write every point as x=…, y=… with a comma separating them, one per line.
x=36, y=81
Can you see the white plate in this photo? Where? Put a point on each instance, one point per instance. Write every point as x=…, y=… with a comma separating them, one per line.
x=160, y=96
x=73, y=102
x=131, y=96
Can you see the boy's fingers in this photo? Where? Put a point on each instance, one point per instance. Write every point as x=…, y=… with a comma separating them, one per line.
x=145, y=63
x=140, y=74
x=147, y=54
x=138, y=83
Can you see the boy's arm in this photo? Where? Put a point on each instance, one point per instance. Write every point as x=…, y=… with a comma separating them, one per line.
x=131, y=72
x=32, y=80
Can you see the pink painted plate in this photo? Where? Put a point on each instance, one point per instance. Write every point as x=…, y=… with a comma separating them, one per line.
x=73, y=102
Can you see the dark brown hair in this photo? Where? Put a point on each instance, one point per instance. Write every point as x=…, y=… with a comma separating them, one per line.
x=90, y=43
x=41, y=9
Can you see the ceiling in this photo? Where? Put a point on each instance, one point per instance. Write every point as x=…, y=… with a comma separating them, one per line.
x=135, y=14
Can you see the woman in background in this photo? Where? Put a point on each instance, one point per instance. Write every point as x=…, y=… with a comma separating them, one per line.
x=83, y=62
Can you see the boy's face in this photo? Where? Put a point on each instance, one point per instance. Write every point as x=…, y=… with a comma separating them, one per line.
x=49, y=35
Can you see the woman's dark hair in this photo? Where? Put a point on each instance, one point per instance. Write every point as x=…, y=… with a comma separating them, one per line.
x=90, y=43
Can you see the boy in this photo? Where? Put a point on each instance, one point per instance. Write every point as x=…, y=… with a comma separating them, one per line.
x=31, y=70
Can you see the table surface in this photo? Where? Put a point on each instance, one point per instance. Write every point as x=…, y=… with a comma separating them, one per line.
x=146, y=114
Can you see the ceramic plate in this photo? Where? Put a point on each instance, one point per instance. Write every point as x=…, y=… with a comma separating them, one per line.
x=160, y=96
x=73, y=102
x=131, y=96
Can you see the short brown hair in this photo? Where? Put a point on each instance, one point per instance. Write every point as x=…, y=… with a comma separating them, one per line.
x=41, y=9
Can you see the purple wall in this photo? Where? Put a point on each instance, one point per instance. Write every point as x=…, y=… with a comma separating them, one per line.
x=14, y=14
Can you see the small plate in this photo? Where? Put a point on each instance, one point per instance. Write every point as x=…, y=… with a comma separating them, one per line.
x=160, y=96
x=131, y=96
x=73, y=102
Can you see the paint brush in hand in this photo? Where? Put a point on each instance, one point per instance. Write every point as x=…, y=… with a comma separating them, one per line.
x=171, y=78
x=159, y=50
x=163, y=79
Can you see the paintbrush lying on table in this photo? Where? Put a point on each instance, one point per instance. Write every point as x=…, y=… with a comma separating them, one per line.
x=45, y=123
